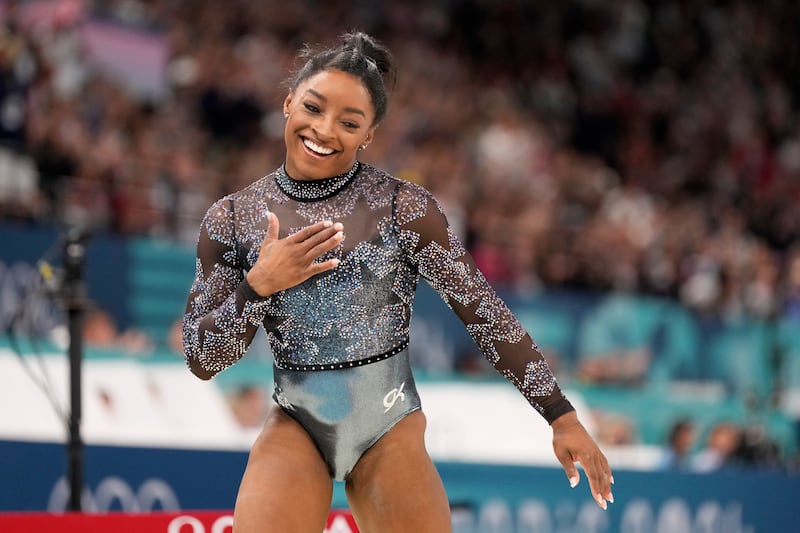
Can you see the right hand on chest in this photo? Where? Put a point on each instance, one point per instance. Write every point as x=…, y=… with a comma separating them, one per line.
x=284, y=263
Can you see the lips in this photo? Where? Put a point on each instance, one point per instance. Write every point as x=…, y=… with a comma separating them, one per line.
x=317, y=149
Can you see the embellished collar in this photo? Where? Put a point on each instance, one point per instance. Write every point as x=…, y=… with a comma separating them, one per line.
x=313, y=190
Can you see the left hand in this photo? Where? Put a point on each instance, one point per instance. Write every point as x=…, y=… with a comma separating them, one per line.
x=572, y=443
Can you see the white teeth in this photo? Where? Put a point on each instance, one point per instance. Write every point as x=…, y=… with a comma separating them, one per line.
x=314, y=147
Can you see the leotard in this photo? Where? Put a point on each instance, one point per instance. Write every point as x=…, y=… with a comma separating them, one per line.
x=350, y=324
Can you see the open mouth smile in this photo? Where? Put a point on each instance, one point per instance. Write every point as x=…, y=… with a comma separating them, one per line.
x=317, y=149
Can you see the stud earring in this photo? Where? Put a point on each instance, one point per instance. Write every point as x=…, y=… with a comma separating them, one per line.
x=362, y=147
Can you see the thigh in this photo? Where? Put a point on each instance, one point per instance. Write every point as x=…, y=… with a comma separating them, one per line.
x=395, y=487
x=286, y=485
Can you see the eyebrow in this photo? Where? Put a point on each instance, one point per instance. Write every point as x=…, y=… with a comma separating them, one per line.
x=348, y=109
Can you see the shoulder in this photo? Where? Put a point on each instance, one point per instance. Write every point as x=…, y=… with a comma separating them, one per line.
x=223, y=210
x=414, y=201
x=411, y=200
x=258, y=190
x=375, y=174
x=406, y=190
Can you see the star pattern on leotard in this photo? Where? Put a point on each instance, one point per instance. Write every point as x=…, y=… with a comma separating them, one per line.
x=362, y=308
x=310, y=315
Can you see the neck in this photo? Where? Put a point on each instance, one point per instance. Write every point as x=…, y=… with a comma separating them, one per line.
x=315, y=189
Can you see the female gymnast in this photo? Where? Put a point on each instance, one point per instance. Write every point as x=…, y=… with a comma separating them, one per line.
x=336, y=312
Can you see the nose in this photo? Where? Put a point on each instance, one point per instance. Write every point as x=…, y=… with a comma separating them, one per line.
x=323, y=127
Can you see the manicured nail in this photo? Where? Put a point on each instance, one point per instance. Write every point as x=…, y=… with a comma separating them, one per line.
x=338, y=226
x=602, y=502
x=573, y=481
x=610, y=497
x=612, y=480
x=335, y=262
x=327, y=223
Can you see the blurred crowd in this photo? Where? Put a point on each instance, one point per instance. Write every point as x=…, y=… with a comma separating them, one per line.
x=725, y=445
x=628, y=145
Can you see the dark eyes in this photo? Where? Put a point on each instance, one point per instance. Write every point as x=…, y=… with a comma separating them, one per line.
x=316, y=110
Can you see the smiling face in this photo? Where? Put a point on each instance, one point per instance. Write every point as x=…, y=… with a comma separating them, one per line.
x=330, y=116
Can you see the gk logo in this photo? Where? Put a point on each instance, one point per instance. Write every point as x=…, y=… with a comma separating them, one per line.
x=392, y=396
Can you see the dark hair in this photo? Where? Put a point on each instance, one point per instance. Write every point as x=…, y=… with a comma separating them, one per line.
x=679, y=427
x=360, y=55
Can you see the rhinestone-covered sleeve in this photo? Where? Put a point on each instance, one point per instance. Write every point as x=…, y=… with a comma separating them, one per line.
x=444, y=262
x=223, y=312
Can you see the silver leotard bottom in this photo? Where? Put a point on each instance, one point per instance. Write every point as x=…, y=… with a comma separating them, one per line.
x=347, y=411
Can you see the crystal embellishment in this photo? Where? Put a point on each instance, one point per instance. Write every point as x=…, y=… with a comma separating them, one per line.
x=313, y=190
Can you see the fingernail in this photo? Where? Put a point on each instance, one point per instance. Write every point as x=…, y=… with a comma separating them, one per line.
x=602, y=502
x=612, y=480
x=573, y=481
x=327, y=223
x=338, y=226
x=339, y=235
x=610, y=497
x=335, y=262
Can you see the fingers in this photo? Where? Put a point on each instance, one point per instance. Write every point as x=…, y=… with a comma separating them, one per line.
x=600, y=479
x=274, y=227
x=314, y=240
x=325, y=245
x=573, y=445
x=287, y=261
x=323, y=241
x=311, y=241
x=570, y=469
x=317, y=268
x=313, y=230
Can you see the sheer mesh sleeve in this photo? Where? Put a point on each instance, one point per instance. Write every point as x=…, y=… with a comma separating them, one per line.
x=444, y=262
x=223, y=312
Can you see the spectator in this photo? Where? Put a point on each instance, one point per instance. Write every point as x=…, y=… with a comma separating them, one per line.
x=248, y=404
x=757, y=450
x=680, y=442
x=100, y=331
x=720, y=449
x=608, y=123
x=645, y=147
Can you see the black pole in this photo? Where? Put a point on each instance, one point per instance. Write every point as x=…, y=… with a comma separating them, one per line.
x=75, y=300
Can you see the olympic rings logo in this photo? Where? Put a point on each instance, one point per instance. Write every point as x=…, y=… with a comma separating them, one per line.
x=153, y=494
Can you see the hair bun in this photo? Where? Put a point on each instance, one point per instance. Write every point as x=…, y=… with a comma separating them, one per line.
x=373, y=51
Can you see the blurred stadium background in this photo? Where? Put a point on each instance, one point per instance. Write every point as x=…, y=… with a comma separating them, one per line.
x=626, y=173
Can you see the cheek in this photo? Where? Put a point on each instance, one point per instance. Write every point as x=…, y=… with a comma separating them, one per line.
x=290, y=129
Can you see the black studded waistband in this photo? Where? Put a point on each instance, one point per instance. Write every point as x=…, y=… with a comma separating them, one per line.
x=283, y=365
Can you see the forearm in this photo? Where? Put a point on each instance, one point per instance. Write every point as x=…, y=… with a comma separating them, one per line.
x=215, y=340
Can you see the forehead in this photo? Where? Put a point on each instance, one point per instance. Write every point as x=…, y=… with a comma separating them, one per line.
x=338, y=88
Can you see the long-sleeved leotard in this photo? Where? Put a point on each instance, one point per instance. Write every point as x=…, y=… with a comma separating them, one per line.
x=358, y=312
